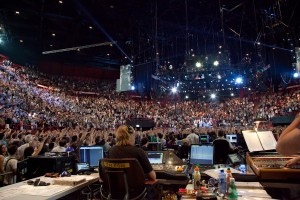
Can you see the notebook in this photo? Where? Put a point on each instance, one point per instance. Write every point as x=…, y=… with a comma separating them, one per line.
x=202, y=154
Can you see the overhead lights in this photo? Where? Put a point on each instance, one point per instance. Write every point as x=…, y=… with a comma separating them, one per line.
x=216, y=63
x=239, y=80
x=107, y=54
x=198, y=64
x=53, y=34
x=51, y=45
x=90, y=27
x=21, y=41
x=174, y=89
x=17, y=12
x=60, y=2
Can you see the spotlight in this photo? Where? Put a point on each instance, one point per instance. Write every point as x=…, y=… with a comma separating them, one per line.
x=216, y=63
x=132, y=87
x=239, y=80
x=198, y=64
x=213, y=96
x=186, y=97
x=219, y=76
x=296, y=75
x=174, y=89
x=232, y=94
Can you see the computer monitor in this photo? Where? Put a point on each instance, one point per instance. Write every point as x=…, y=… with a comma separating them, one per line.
x=204, y=138
x=202, y=154
x=91, y=155
x=155, y=157
x=155, y=146
x=232, y=138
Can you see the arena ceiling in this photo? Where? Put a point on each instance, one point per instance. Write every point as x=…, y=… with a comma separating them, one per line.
x=146, y=31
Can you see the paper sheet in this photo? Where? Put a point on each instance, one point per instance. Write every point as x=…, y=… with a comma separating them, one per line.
x=252, y=141
x=214, y=173
x=267, y=140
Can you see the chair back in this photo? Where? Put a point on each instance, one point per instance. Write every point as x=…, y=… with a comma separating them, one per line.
x=123, y=178
x=221, y=151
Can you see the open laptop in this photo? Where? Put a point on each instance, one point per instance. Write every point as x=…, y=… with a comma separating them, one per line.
x=82, y=167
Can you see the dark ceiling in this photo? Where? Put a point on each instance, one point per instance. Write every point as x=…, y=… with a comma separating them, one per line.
x=145, y=31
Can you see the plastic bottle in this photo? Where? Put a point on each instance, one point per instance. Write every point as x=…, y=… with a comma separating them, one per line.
x=232, y=191
x=229, y=175
x=222, y=183
x=197, y=178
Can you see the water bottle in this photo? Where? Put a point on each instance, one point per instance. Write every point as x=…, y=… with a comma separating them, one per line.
x=222, y=183
x=232, y=191
x=197, y=178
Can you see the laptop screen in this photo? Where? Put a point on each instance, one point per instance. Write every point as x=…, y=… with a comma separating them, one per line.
x=155, y=157
x=91, y=155
x=202, y=154
x=82, y=166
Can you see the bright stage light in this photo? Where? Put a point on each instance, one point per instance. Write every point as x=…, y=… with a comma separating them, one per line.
x=216, y=63
x=174, y=89
x=239, y=80
x=296, y=75
x=219, y=76
x=213, y=96
x=132, y=87
x=198, y=64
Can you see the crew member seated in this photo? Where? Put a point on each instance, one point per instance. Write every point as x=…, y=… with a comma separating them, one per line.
x=222, y=147
x=125, y=149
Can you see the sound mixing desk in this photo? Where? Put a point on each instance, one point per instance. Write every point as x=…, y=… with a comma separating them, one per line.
x=271, y=166
x=170, y=170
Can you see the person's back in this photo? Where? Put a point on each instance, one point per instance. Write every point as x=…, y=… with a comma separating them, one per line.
x=192, y=138
x=125, y=148
x=61, y=148
x=10, y=165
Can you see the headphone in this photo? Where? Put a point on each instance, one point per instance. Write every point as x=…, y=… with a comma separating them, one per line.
x=130, y=129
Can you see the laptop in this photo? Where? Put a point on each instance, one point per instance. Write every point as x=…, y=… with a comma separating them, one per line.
x=82, y=167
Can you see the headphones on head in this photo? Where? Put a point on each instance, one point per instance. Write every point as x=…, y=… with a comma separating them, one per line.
x=130, y=129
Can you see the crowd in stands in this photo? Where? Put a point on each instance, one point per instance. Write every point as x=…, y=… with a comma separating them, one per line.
x=39, y=114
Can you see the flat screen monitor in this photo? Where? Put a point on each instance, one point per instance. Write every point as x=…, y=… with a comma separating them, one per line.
x=155, y=157
x=202, y=154
x=155, y=146
x=91, y=155
x=204, y=139
x=232, y=138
